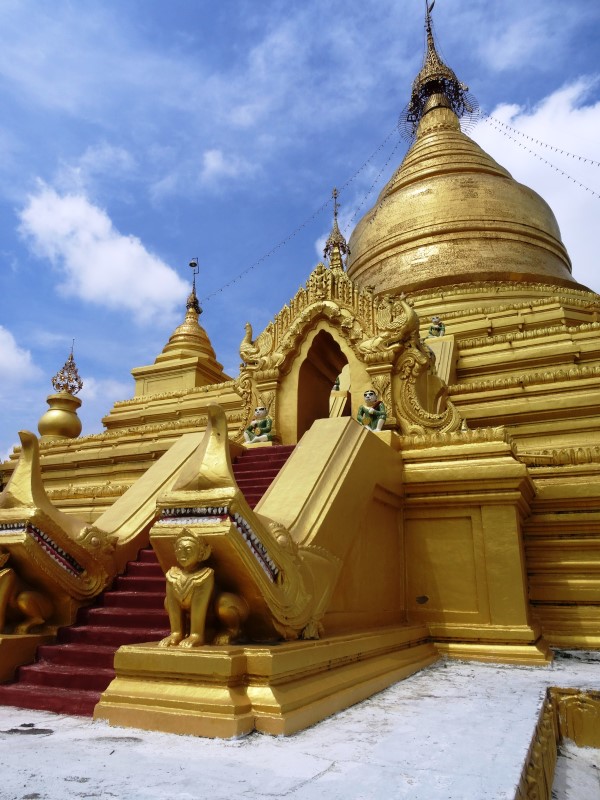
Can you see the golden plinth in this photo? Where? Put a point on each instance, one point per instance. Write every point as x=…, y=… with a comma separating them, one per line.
x=230, y=691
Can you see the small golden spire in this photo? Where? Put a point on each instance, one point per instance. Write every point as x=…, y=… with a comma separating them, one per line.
x=436, y=84
x=336, y=245
x=67, y=379
x=192, y=303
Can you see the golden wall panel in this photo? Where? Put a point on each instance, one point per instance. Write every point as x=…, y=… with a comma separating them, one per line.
x=446, y=564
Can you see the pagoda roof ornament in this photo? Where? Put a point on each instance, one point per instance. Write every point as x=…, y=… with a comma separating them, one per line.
x=68, y=379
x=190, y=340
x=436, y=85
x=336, y=245
x=192, y=303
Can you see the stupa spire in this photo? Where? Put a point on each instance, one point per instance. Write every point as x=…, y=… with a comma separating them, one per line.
x=192, y=303
x=336, y=246
x=188, y=359
x=436, y=84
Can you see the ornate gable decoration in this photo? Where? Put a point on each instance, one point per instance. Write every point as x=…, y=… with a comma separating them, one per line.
x=383, y=333
x=373, y=327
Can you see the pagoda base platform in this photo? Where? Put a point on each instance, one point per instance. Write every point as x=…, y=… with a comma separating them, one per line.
x=500, y=644
x=277, y=689
x=536, y=654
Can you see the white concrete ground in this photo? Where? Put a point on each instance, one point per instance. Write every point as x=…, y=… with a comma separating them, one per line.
x=577, y=773
x=455, y=731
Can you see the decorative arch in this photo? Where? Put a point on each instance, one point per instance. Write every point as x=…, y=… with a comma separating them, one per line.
x=377, y=336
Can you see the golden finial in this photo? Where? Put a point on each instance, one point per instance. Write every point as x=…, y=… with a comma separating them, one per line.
x=67, y=379
x=437, y=83
x=192, y=303
x=336, y=245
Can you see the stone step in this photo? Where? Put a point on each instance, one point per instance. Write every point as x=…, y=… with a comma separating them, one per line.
x=118, y=617
x=147, y=555
x=144, y=569
x=75, y=702
x=77, y=655
x=139, y=583
x=60, y=676
x=126, y=599
x=110, y=635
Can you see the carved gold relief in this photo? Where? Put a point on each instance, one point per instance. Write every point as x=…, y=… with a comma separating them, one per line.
x=411, y=393
x=579, y=716
x=19, y=604
x=189, y=591
x=538, y=773
x=566, y=713
x=383, y=334
x=264, y=583
x=55, y=560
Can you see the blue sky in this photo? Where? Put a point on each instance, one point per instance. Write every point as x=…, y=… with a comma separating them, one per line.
x=136, y=134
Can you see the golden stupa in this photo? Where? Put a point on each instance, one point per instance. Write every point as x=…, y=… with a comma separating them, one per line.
x=461, y=518
x=450, y=213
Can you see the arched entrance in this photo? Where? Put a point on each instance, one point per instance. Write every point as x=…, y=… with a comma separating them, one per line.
x=318, y=372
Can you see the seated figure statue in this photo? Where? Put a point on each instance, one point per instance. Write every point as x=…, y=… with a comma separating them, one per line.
x=373, y=414
x=260, y=428
x=189, y=590
x=437, y=327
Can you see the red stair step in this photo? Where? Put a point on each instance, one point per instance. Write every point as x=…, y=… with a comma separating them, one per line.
x=77, y=655
x=147, y=555
x=77, y=702
x=125, y=599
x=95, y=634
x=151, y=618
x=66, y=677
x=69, y=676
x=137, y=583
x=144, y=569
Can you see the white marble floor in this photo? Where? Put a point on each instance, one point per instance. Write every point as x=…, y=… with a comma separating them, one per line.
x=455, y=731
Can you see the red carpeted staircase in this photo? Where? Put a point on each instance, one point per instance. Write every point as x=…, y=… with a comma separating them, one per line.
x=69, y=676
x=256, y=469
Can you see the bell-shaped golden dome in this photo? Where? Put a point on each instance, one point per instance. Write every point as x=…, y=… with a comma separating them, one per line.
x=186, y=361
x=190, y=338
x=450, y=213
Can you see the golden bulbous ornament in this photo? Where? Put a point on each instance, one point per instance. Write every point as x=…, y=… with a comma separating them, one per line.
x=61, y=420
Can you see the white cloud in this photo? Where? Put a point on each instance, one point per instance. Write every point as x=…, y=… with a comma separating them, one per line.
x=214, y=169
x=569, y=122
x=44, y=339
x=106, y=390
x=102, y=160
x=98, y=264
x=16, y=363
x=216, y=166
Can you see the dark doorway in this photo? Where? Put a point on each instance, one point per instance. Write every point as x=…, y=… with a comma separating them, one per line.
x=323, y=363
